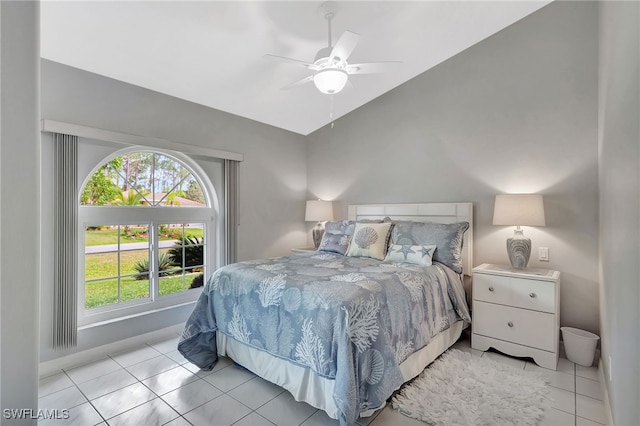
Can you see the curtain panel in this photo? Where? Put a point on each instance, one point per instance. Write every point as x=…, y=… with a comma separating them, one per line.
x=231, y=185
x=65, y=216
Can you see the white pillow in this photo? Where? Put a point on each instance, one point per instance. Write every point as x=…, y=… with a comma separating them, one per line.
x=369, y=240
x=420, y=255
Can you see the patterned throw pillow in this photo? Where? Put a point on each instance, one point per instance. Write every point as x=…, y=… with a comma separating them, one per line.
x=335, y=243
x=369, y=240
x=446, y=237
x=420, y=255
x=340, y=227
x=345, y=226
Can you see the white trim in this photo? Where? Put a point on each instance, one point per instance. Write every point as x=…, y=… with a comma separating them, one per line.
x=131, y=139
x=94, y=354
x=605, y=393
x=424, y=212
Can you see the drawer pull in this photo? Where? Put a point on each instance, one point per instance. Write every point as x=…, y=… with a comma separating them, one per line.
x=510, y=324
x=532, y=295
x=491, y=289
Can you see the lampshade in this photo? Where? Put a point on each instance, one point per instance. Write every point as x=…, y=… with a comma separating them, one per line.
x=519, y=210
x=318, y=211
x=330, y=80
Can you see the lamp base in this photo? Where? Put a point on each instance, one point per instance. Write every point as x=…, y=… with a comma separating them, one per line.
x=519, y=249
x=317, y=233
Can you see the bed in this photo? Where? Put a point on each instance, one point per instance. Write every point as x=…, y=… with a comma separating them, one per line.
x=344, y=327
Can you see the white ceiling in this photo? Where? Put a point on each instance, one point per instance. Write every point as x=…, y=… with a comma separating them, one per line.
x=212, y=52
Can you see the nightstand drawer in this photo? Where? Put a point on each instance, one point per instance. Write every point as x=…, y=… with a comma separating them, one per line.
x=517, y=292
x=529, y=328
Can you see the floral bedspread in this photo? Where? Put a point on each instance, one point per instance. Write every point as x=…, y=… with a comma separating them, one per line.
x=347, y=318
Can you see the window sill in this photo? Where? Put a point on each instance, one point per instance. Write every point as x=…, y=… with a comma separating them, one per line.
x=136, y=315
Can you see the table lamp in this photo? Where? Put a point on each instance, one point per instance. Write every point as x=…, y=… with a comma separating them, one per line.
x=318, y=211
x=519, y=210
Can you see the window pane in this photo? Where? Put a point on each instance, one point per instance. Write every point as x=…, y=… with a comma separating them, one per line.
x=143, y=179
x=194, y=279
x=184, y=246
x=100, y=265
x=116, y=264
x=174, y=185
x=136, y=172
x=171, y=284
x=134, y=262
x=133, y=234
x=103, y=186
x=166, y=265
x=100, y=235
x=193, y=192
x=101, y=293
x=132, y=288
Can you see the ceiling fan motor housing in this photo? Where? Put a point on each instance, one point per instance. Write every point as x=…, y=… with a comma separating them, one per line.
x=322, y=54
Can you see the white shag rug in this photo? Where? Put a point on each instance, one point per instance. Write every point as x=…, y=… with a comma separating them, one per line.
x=461, y=389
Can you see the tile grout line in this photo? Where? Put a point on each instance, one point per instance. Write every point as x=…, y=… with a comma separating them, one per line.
x=575, y=393
x=137, y=381
x=85, y=396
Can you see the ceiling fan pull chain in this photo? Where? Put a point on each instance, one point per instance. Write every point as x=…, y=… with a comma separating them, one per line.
x=331, y=110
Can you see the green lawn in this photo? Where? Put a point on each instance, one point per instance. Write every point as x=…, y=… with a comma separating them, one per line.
x=105, y=292
x=110, y=235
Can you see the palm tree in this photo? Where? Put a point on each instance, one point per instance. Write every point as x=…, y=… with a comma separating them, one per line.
x=132, y=198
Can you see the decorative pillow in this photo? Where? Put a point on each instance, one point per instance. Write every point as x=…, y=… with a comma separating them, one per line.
x=446, y=237
x=340, y=227
x=420, y=255
x=369, y=240
x=335, y=243
x=345, y=226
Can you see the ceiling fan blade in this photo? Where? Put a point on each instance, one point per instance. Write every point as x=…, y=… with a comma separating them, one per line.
x=345, y=45
x=298, y=83
x=372, y=67
x=293, y=61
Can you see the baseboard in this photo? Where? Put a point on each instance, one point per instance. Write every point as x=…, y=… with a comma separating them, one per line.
x=47, y=368
x=605, y=393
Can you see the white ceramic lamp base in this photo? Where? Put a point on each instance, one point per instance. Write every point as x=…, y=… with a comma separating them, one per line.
x=519, y=249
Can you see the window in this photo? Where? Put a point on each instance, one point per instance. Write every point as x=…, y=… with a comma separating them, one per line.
x=146, y=223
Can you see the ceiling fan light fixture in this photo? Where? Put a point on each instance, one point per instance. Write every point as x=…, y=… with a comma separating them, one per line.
x=330, y=80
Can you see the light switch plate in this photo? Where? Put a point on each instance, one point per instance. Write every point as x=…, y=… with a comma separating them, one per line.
x=543, y=254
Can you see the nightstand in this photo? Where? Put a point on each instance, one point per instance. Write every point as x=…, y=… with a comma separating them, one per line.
x=303, y=249
x=517, y=311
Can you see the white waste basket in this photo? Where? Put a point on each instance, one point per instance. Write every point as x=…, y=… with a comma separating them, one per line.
x=579, y=345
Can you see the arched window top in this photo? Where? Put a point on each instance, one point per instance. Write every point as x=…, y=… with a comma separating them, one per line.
x=144, y=179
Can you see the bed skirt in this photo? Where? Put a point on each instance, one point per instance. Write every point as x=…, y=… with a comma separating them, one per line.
x=317, y=391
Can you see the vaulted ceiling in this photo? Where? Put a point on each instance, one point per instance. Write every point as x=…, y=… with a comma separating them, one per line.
x=212, y=52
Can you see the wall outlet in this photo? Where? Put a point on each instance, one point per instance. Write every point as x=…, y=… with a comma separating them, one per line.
x=543, y=254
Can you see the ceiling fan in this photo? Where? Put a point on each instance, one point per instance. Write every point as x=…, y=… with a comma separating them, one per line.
x=330, y=67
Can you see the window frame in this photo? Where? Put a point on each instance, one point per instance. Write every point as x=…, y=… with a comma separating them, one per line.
x=154, y=216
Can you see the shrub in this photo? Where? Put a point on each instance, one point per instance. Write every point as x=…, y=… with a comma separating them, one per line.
x=198, y=281
x=193, y=252
x=164, y=263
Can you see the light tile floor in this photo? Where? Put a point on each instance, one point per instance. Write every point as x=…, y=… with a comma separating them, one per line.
x=155, y=385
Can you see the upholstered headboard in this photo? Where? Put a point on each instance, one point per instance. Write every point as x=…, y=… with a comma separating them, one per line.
x=424, y=212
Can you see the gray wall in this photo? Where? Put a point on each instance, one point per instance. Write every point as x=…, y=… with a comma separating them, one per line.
x=272, y=177
x=515, y=113
x=20, y=206
x=619, y=161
